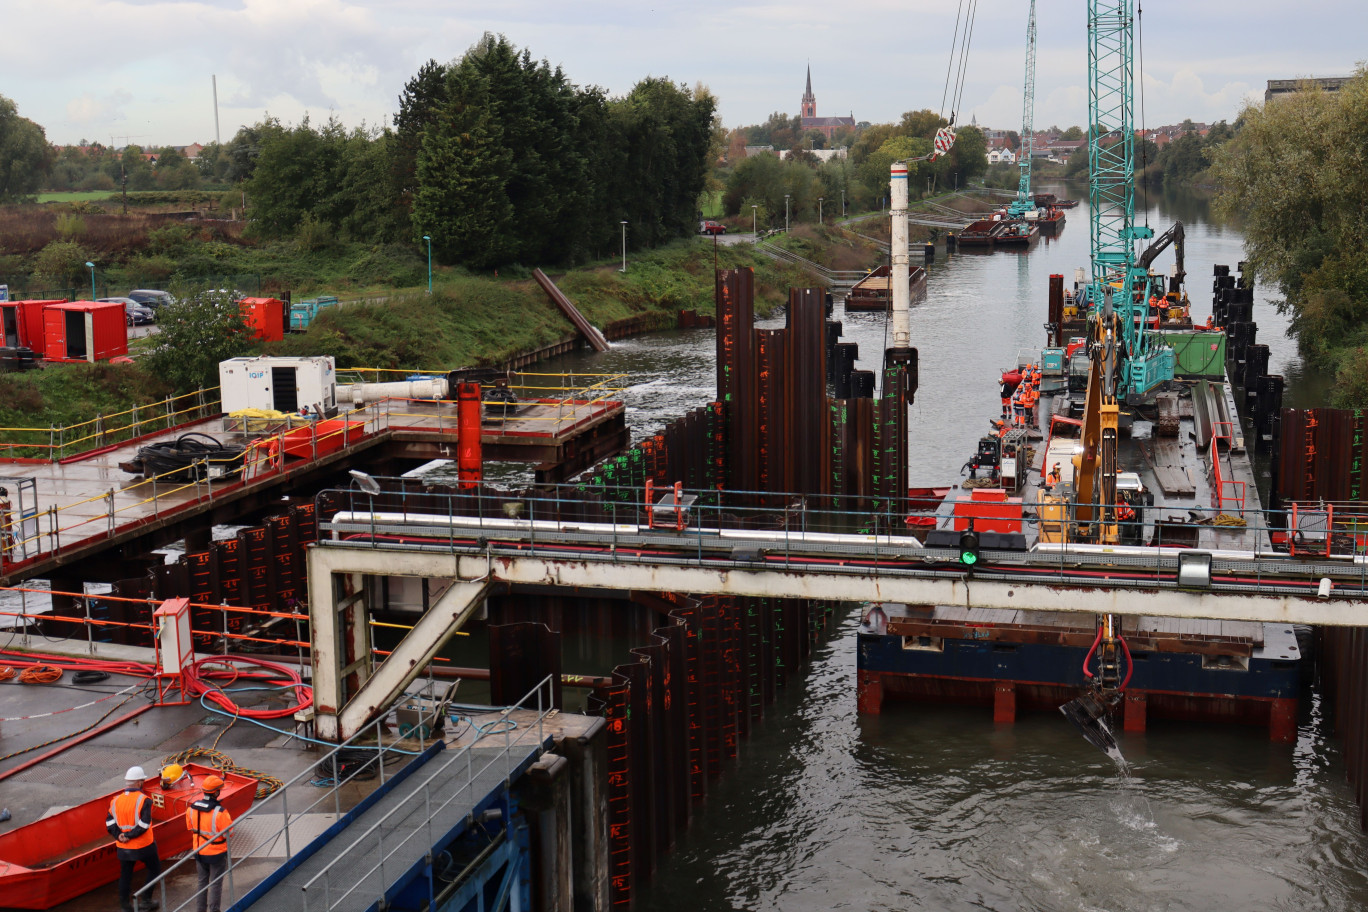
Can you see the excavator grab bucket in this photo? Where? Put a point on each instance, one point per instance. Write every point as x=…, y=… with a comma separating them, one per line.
x=1090, y=715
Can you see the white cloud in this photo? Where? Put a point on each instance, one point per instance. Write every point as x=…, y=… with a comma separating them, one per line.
x=876, y=58
x=88, y=110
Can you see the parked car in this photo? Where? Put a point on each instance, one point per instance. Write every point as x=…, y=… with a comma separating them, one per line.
x=711, y=227
x=151, y=297
x=135, y=314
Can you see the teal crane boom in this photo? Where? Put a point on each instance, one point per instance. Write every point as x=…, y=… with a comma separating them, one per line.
x=1147, y=361
x=1025, y=202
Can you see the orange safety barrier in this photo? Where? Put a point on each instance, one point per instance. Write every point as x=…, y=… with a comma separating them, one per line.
x=1220, y=430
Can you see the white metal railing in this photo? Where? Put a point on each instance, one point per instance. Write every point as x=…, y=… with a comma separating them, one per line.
x=371, y=843
x=279, y=802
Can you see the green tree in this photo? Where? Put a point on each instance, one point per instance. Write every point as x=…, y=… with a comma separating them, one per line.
x=1072, y=133
x=420, y=105
x=24, y=154
x=1293, y=172
x=461, y=201
x=61, y=263
x=196, y=333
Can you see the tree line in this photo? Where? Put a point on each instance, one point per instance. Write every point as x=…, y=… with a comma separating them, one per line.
x=763, y=180
x=1293, y=174
x=498, y=159
x=1184, y=160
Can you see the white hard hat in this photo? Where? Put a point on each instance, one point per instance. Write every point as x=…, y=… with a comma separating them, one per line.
x=135, y=774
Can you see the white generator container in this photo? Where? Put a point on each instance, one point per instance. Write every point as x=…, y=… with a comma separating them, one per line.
x=279, y=384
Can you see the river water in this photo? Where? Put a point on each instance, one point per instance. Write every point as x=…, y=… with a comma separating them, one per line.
x=938, y=808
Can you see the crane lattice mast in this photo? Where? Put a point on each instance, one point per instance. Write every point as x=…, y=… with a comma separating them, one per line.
x=1111, y=194
x=1024, y=201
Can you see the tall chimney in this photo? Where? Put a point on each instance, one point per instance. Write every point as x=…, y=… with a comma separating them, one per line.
x=902, y=293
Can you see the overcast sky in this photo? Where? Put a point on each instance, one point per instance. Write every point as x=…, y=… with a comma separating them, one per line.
x=139, y=70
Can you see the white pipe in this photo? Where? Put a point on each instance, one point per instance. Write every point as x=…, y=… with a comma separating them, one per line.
x=901, y=274
x=361, y=393
x=430, y=520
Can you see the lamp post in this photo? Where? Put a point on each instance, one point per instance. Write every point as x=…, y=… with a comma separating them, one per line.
x=428, y=238
x=624, y=246
x=842, y=204
x=786, y=212
x=91, y=266
x=819, y=209
x=754, y=229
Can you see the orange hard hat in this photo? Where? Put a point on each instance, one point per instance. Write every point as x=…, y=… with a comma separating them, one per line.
x=211, y=783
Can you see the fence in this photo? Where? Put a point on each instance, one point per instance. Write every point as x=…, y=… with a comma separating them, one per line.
x=416, y=813
x=848, y=533
x=277, y=446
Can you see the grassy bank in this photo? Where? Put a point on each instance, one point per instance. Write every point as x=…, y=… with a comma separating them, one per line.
x=62, y=395
x=468, y=321
x=472, y=321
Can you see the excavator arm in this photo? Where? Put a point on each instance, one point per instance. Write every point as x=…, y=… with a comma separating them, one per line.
x=1173, y=236
x=1095, y=467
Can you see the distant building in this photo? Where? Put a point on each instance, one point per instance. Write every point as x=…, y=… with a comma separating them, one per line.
x=810, y=121
x=756, y=150
x=1277, y=87
x=1001, y=157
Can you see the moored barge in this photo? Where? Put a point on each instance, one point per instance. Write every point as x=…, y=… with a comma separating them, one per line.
x=873, y=292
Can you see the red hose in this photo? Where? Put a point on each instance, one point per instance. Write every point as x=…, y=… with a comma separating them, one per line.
x=1130, y=663
x=1091, y=649
x=199, y=678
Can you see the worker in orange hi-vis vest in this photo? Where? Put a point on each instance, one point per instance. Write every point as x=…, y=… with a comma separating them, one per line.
x=130, y=823
x=208, y=822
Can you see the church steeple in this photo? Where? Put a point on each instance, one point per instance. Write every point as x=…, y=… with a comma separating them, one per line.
x=809, y=100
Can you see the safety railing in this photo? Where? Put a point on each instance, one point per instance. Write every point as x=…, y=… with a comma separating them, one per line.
x=57, y=443
x=224, y=631
x=841, y=534
x=415, y=823
x=1228, y=493
x=167, y=490
x=342, y=772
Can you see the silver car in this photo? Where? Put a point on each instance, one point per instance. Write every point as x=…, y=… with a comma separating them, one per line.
x=151, y=297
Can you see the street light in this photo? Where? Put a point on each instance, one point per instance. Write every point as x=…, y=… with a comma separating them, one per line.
x=786, y=212
x=842, y=204
x=428, y=238
x=624, y=246
x=754, y=230
x=92, y=279
x=819, y=209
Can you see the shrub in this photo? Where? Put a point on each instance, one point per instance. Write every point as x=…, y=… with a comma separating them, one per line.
x=61, y=262
x=70, y=225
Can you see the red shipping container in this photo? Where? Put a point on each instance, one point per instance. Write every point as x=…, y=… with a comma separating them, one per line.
x=22, y=322
x=266, y=316
x=990, y=509
x=85, y=331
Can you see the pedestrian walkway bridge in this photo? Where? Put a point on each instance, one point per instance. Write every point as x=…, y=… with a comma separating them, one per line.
x=320, y=850
x=679, y=544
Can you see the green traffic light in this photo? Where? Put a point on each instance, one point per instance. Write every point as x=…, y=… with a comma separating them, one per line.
x=968, y=557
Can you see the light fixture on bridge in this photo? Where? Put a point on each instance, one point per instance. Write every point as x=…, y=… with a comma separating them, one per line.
x=1194, y=570
x=365, y=482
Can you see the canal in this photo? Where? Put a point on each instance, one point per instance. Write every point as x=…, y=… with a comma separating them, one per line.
x=937, y=808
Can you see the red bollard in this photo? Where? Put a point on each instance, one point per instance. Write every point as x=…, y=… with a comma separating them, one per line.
x=469, y=457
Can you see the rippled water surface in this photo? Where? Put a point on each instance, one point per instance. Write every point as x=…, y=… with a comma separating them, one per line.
x=937, y=808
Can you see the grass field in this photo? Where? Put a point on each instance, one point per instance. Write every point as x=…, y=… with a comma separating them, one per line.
x=75, y=196
x=710, y=201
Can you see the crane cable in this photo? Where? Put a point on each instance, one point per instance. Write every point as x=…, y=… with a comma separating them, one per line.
x=1144, y=152
x=945, y=136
